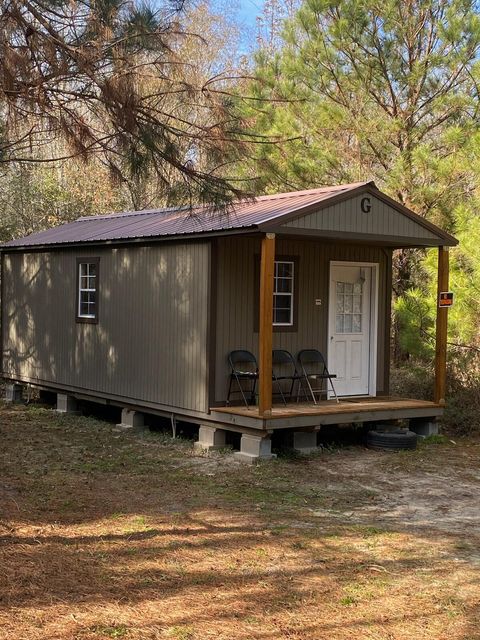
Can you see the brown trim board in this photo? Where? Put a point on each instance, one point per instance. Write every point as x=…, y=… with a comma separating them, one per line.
x=212, y=323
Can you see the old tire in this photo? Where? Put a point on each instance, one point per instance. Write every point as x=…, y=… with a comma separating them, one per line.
x=391, y=440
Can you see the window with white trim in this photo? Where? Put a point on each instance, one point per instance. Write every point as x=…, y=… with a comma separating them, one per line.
x=283, y=292
x=87, y=302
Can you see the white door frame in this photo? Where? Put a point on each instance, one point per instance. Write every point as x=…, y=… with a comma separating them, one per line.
x=373, y=336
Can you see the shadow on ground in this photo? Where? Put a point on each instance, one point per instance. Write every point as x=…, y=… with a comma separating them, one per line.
x=112, y=534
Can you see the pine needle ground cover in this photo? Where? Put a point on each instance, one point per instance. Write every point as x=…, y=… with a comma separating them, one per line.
x=107, y=534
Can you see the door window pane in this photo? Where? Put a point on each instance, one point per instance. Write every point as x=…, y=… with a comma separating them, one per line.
x=348, y=307
x=339, y=324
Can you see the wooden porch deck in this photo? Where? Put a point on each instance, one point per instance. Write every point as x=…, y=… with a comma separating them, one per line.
x=328, y=412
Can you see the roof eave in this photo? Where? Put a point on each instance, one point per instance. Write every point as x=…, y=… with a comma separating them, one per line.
x=448, y=239
x=198, y=235
x=358, y=238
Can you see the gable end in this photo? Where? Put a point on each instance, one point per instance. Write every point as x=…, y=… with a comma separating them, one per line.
x=368, y=216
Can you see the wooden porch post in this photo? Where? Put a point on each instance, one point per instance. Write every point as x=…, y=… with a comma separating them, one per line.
x=267, y=267
x=442, y=323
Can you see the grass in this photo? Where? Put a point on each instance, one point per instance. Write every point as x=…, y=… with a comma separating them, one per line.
x=115, y=631
x=433, y=439
x=108, y=534
x=181, y=633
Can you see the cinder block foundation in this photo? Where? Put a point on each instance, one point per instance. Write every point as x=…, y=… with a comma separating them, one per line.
x=424, y=428
x=210, y=439
x=254, y=448
x=67, y=404
x=305, y=441
x=132, y=420
x=14, y=393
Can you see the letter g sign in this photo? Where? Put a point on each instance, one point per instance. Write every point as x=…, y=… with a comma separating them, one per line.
x=366, y=205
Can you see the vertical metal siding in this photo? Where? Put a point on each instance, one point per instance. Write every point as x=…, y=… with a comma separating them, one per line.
x=236, y=303
x=151, y=339
x=346, y=216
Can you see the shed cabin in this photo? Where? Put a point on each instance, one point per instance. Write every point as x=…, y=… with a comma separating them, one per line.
x=141, y=310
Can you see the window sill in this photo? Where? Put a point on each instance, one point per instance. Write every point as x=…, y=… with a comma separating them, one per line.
x=281, y=329
x=81, y=320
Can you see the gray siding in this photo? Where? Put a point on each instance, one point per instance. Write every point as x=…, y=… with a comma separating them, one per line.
x=150, y=343
x=236, y=304
x=347, y=217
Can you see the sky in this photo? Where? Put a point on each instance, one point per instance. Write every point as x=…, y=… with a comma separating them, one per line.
x=248, y=11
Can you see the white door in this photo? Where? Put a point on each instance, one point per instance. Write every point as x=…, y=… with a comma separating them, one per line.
x=351, y=318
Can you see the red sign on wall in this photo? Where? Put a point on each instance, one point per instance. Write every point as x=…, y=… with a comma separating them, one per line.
x=445, y=299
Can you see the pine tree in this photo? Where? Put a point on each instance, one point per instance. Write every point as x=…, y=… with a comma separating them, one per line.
x=371, y=91
x=271, y=21
x=107, y=78
x=366, y=90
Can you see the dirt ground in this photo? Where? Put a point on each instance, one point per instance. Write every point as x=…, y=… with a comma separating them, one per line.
x=107, y=534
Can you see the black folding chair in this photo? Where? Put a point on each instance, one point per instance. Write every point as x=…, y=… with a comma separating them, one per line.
x=314, y=367
x=243, y=366
x=284, y=368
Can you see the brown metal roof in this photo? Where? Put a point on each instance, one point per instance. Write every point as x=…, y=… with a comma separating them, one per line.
x=132, y=225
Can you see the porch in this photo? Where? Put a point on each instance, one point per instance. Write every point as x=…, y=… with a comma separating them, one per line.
x=309, y=415
x=304, y=420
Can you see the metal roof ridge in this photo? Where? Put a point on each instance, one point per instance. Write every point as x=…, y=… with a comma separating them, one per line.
x=306, y=192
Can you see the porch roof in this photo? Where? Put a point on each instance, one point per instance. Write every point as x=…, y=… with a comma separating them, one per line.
x=349, y=212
